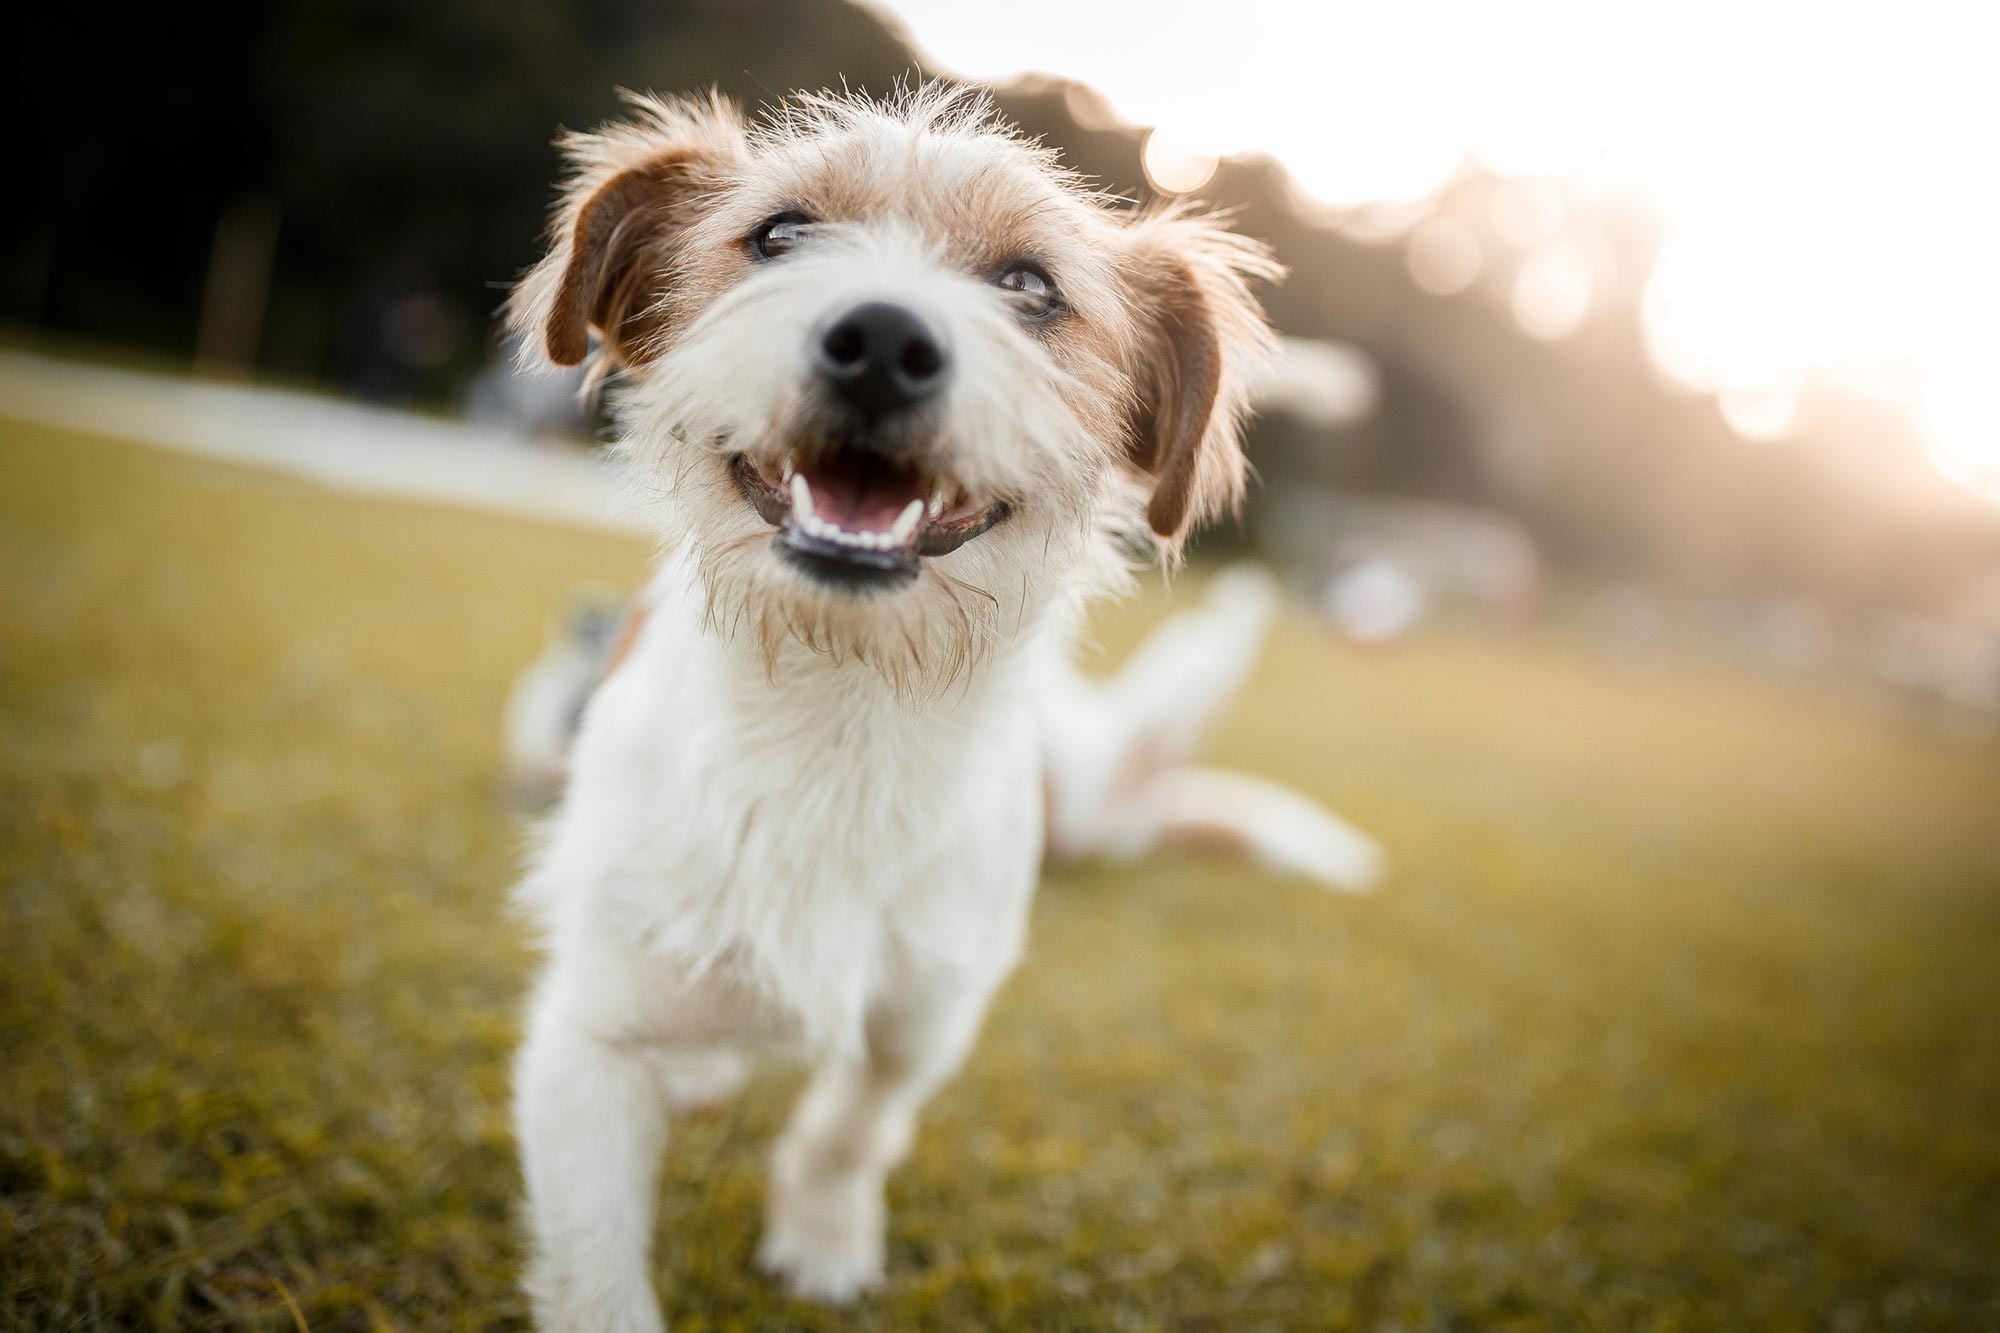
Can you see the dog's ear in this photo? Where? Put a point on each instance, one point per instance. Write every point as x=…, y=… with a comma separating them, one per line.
x=634, y=187
x=1201, y=336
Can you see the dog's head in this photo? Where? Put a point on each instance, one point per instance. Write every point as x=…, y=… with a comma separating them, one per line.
x=899, y=379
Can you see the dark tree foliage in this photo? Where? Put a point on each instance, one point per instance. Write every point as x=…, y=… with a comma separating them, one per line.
x=408, y=147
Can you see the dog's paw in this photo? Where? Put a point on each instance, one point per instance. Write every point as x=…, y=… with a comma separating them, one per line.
x=829, y=1271
x=581, y=1300
x=824, y=1241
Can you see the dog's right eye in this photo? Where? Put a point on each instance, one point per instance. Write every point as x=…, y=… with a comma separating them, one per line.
x=777, y=235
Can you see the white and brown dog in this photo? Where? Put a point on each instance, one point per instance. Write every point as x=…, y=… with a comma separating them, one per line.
x=902, y=393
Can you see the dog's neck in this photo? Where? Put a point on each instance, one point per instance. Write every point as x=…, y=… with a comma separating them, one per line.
x=788, y=690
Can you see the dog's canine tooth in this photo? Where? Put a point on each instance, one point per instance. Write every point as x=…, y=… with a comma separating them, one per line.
x=802, y=500
x=785, y=477
x=906, y=522
x=937, y=502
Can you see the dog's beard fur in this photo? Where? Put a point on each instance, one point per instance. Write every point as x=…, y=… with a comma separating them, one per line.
x=1015, y=425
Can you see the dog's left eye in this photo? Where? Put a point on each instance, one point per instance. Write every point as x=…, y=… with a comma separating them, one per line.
x=775, y=236
x=1034, y=292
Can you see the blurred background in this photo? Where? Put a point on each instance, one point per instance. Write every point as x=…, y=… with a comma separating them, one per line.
x=1695, y=314
x=1636, y=414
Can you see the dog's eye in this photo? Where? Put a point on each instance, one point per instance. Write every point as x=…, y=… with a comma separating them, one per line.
x=775, y=236
x=1034, y=294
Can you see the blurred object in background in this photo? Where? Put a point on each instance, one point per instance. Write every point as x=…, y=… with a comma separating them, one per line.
x=506, y=396
x=1376, y=600
x=1952, y=660
x=545, y=705
x=1384, y=566
x=239, y=284
x=1733, y=352
x=1322, y=385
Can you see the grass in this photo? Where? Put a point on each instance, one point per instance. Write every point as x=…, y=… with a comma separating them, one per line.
x=1679, y=1012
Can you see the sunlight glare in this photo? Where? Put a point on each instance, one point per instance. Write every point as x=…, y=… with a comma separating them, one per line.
x=1552, y=293
x=1444, y=257
x=1759, y=414
x=1172, y=169
x=1821, y=174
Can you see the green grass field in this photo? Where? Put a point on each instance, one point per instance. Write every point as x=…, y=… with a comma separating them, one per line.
x=1679, y=1011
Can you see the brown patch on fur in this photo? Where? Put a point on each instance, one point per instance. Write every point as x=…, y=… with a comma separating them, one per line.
x=1177, y=386
x=1200, y=330
x=635, y=188
x=616, y=256
x=629, y=630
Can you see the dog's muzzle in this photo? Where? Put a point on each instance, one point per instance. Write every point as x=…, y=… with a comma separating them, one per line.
x=859, y=520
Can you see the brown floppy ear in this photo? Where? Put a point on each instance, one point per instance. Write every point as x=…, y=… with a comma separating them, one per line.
x=1201, y=334
x=634, y=189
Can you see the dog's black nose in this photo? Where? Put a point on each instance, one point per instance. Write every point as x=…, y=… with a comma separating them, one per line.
x=881, y=358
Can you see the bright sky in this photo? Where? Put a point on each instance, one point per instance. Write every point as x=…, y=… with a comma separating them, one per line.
x=1827, y=174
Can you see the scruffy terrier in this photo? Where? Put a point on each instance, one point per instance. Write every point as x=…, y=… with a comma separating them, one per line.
x=903, y=395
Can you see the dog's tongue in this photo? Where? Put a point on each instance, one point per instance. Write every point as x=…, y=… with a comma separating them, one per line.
x=860, y=493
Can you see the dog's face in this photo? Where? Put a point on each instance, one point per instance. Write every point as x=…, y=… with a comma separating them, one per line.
x=898, y=379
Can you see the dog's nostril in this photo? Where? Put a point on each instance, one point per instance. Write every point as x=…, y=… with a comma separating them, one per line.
x=921, y=359
x=845, y=344
x=881, y=357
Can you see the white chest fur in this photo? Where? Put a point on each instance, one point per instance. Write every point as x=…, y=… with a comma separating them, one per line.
x=748, y=849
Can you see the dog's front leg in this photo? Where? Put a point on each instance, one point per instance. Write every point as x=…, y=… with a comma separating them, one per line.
x=592, y=1125
x=826, y=1221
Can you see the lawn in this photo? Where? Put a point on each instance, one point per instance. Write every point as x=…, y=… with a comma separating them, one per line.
x=1678, y=1012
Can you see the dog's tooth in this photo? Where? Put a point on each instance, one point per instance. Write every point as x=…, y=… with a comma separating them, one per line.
x=906, y=522
x=937, y=502
x=785, y=477
x=802, y=500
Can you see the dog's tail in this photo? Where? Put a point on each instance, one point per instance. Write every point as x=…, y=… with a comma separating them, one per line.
x=1117, y=752
x=1190, y=806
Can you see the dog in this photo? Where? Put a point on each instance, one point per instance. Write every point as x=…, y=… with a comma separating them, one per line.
x=902, y=397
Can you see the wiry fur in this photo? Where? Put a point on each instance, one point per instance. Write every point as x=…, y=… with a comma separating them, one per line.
x=809, y=820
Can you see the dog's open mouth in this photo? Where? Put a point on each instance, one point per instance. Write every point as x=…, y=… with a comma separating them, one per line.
x=855, y=519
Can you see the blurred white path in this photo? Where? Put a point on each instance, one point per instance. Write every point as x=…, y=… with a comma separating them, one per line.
x=356, y=446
